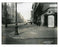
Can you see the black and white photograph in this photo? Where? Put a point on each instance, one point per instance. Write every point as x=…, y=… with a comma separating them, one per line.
x=29, y=22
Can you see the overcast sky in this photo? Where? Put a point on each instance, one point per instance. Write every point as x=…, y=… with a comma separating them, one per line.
x=25, y=10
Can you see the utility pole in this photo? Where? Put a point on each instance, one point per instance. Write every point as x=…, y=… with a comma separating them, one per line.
x=16, y=28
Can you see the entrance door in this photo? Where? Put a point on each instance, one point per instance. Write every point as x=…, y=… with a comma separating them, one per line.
x=51, y=21
x=46, y=20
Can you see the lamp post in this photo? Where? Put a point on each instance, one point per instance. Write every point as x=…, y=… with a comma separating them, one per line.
x=16, y=28
x=5, y=13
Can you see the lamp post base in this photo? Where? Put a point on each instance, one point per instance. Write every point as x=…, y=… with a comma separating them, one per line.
x=16, y=31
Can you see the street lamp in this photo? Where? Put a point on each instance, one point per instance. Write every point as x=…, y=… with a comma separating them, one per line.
x=5, y=13
x=16, y=28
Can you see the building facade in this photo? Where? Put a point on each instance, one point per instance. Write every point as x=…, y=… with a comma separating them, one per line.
x=42, y=11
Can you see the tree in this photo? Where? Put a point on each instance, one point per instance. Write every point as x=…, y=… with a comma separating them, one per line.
x=5, y=15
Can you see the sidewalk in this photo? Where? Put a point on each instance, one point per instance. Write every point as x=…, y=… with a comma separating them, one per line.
x=30, y=34
x=35, y=32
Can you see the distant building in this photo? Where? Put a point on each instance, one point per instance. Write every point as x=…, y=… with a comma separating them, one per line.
x=11, y=9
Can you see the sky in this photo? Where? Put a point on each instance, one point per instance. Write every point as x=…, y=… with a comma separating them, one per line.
x=25, y=10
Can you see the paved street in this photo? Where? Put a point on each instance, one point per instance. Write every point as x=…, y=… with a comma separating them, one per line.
x=29, y=34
